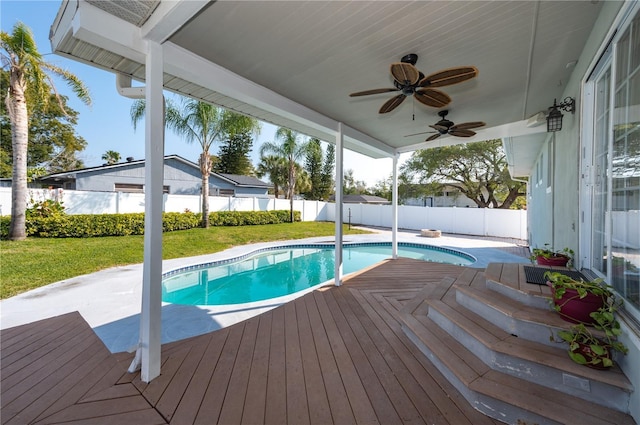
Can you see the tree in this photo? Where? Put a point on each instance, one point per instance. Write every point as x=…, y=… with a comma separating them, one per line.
x=204, y=123
x=319, y=170
x=233, y=157
x=292, y=150
x=351, y=186
x=52, y=136
x=276, y=168
x=53, y=143
x=30, y=84
x=478, y=169
x=112, y=157
x=328, y=170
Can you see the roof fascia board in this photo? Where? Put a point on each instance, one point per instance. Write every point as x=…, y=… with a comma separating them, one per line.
x=107, y=32
x=514, y=129
x=191, y=67
x=169, y=17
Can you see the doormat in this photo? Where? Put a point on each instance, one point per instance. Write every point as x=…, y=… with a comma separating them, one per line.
x=536, y=274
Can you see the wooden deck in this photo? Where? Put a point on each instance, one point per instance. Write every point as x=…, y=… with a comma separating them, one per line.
x=337, y=355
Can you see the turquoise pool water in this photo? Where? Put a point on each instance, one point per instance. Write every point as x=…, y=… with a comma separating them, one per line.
x=285, y=270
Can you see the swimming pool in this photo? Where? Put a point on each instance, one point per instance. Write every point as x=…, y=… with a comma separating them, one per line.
x=284, y=270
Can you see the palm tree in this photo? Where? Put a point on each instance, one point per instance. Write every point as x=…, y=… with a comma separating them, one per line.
x=204, y=123
x=30, y=85
x=276, y=168
x=112, y=157
x=292, y=150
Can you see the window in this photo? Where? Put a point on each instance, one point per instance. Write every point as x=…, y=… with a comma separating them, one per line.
x=226, y=192
x=135, y=188
x=614, y=233
x=129, y=187
x=624, y=207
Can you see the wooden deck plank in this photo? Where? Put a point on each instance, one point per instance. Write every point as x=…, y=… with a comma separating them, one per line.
x=256, y=400
x=276, y=409
x=37, y=342
x=231, y=412
x=213, y=398
x=189, y=405
x=148, y=416
x=297, y=407
x=171, y=397
x=336, y=393
x=442, y=407
x=90, y=411
x=319, y=411
x=380, y=355
x=361, y=406
x=15, y=372
x=38, y=379
x=383, y=407
x=510, y=275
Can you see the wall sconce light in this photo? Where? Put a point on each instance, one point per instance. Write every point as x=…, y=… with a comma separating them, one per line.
x=554, y=118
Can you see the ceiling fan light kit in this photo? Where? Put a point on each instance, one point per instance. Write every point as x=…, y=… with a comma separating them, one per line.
x=408, y=80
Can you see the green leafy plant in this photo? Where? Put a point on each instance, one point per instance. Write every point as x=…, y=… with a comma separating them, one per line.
x=599, y=345
x=549, y=252
x=561, y=282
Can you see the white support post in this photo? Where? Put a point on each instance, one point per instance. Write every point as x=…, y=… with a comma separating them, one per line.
x=151, y=315
x=394, y=209
x=338, y=218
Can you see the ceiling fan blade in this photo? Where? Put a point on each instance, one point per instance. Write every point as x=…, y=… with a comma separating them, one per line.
x=439, y=127
x=449, y=76
x=468, y=125
x=392, y=104
x=417, y=134
x=462, y=133
x=432, y=97
x=374, y=91
x=434, y=137
x=405, y=73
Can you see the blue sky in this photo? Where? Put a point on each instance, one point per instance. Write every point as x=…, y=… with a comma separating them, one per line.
x=106, y=125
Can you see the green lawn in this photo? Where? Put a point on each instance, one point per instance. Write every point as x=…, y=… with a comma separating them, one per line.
x=37, y=262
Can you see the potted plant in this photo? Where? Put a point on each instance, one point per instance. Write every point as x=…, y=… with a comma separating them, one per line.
x=547, y=256
x=575, y=300
x=593, y=349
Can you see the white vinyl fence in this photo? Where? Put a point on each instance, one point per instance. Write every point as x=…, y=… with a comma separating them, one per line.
x=469, y=221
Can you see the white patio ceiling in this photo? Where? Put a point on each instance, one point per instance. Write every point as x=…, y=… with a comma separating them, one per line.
x=294, y=63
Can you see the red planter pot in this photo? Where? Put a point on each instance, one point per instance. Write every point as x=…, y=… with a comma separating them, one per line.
x=575, y=309
x=589, y=355
x=556, y=260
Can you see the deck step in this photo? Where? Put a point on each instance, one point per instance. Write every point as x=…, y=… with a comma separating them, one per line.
x=549, y=366
x=497, y=351
x=531, y=323
x=501, y=396
x=506, y=278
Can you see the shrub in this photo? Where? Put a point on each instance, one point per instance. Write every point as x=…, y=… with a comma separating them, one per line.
x=60, y=225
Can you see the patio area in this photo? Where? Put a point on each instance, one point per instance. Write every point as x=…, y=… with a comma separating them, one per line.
x=336, y=355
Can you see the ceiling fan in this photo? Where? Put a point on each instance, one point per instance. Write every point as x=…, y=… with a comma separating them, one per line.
x=409, y=81
x=444, y=126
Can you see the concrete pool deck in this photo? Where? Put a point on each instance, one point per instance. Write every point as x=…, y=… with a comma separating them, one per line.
x=109, y=300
